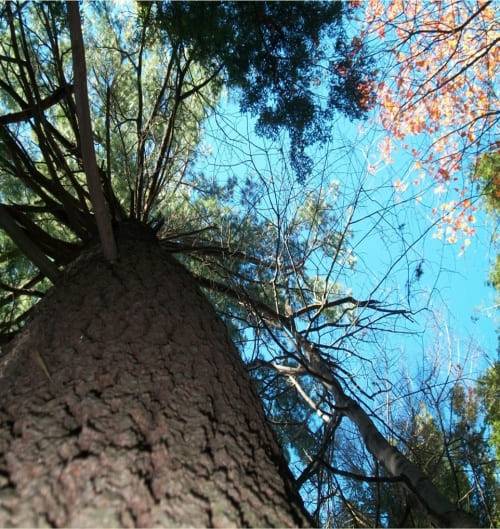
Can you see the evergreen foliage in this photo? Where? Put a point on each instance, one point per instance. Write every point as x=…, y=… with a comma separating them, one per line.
x=283, y=57
x=271, y=250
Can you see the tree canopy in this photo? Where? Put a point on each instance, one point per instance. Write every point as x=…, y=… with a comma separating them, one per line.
x=438, y=94
x=272, y=237
x=293, y=64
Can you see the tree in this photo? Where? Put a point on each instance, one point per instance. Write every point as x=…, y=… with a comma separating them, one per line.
x=487, y=175
x=437, y=421
x=123, y=401
x=93, y=384
x=115, y=410
x=488, y=386
x=438, y=96
x=278, y=67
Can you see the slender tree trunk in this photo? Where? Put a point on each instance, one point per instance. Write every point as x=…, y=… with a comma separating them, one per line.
x=123, y=403
x=435, y=504
x=86, y=138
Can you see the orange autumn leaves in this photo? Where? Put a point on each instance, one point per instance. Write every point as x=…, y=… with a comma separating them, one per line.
x=439, y=91
x=457, y=218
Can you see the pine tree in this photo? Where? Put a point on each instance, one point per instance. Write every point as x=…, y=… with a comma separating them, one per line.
x=123, y=400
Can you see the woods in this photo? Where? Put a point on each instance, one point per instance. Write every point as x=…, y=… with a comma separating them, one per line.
x=190, y=333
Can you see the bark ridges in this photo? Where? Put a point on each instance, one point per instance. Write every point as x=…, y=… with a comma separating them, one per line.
x=149, y=419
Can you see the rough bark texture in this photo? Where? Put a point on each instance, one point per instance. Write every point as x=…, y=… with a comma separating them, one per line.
x=149, y=417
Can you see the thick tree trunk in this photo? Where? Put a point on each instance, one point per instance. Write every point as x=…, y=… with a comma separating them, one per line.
x=123, y=403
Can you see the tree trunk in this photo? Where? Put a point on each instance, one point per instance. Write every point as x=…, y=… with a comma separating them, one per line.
x=435, y=504
x=124, y=403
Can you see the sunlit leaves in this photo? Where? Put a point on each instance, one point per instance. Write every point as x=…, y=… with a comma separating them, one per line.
x=488, y=389
x=487, y=174
x=438, y=89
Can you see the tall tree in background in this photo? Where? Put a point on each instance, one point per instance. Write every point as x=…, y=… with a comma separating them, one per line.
x=123, y=401
x=486, y=174
x=440, y=427
x=488, y=389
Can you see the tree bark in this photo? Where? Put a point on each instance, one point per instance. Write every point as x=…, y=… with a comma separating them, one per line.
x=124, y=403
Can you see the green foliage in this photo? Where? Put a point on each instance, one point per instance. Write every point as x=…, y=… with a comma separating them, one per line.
x=125, y=80
x=487, y=173
x=489, y=392
x=495, y=274
x=281, y=56
x=145, y=126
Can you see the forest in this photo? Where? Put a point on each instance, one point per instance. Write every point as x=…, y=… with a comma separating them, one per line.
x=248, y=264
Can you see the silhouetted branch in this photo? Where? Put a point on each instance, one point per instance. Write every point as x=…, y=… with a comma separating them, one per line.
x=32, y=111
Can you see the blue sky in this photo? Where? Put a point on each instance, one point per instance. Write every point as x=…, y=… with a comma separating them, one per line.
x=452, y=287
x=456, y=305
x=454, y=328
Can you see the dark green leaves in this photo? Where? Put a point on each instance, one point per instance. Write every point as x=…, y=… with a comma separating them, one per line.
x=291, y=62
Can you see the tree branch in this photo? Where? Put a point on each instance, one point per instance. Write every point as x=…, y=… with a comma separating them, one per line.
x=396, y=464
x=27, y=246
x=30, y=112
x=85, y=132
